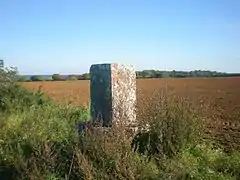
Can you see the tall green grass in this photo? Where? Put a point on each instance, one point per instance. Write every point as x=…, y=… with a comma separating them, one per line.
x=39, y=140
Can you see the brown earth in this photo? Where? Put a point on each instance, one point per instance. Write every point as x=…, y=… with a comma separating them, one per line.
x=219, y=97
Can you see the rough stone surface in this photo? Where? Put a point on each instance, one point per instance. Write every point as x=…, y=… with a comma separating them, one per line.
x=113, y=93
x=123, y=93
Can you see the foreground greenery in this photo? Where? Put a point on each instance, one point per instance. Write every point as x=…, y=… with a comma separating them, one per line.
x=39, y=140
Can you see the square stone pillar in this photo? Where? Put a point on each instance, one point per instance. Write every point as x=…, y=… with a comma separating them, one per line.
x=113, y=93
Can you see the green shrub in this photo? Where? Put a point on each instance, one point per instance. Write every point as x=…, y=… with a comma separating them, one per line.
x=198, y=163
x=228, y=163
x=8, y=76
x=40, y=139
x=15, y=97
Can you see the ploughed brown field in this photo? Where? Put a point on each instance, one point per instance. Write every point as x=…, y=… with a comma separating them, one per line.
x=219, y=97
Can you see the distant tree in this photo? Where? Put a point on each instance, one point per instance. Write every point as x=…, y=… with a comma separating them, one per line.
x=1, y=63
x=154, y=74
x=86, y=76
x=72, y=78
x=165, y=74
x=232, y=75
x=23, y=79
x=181, y=74
x=173, y=73
x=37, y=78
x=80, y=77
x=139, y=74
x=147, y=73
x=48, y=79
x=57, y=77
x=158, y=74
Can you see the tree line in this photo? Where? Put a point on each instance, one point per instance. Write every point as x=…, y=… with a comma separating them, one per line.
x=139, y=74
x=182, y=74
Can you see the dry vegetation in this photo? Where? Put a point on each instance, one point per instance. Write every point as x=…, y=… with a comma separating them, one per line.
x=219, y=99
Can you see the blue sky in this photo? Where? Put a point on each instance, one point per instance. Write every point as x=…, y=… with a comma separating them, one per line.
x=67, y=36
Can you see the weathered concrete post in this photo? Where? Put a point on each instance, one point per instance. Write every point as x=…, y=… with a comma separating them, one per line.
x=113, y=93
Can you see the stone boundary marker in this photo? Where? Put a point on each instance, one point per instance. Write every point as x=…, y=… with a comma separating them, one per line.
x=113, y=94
